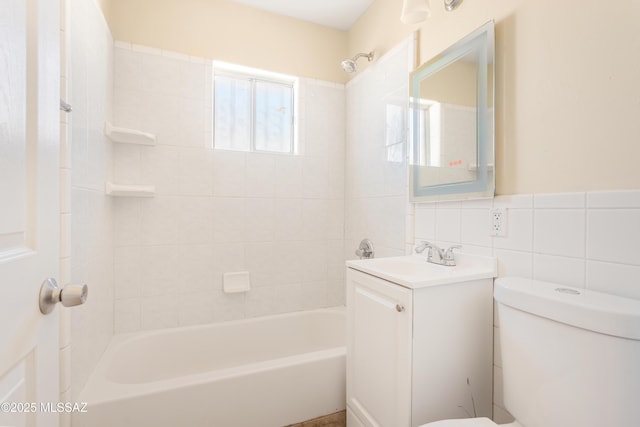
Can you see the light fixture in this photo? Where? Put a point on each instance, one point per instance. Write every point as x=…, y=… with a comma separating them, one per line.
x=450, y=5
x=415, y=11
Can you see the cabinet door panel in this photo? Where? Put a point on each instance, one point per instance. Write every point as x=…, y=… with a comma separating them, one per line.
x=378, y=351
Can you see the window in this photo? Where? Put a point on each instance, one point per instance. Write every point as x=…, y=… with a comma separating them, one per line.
x=253, y=110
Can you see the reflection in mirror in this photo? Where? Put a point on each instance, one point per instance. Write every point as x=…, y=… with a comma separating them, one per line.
x=452, y=122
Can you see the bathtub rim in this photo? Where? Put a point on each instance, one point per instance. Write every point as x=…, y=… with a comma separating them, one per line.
x=99, y=389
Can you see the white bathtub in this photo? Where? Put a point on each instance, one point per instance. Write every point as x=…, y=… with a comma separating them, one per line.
x=262, y=372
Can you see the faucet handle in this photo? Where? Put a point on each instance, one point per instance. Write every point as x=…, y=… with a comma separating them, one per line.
x=448, y=255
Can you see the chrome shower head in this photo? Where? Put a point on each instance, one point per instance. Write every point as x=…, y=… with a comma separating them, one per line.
x=350, y=66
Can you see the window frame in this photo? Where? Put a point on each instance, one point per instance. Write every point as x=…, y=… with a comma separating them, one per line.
x=253, y=76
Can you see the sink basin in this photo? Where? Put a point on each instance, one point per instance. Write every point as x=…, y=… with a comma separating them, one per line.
x=413, y=271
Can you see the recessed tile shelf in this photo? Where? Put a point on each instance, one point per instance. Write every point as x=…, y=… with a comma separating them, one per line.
x=128, y=136
x=125, y=190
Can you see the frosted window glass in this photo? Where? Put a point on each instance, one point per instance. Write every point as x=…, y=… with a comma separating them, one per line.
x=232, y=103
x=273, y=117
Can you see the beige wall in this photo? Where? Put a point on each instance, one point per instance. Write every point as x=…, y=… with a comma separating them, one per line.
x=227, y=31
x=567, y=89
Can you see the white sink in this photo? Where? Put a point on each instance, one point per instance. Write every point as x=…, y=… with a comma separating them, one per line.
x=413, y=271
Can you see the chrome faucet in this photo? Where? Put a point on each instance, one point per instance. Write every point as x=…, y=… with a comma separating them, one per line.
x=437, y=255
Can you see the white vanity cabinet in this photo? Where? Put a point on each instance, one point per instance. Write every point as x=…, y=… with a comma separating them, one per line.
x=417, y=351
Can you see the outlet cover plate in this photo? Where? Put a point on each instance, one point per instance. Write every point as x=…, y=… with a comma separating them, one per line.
x=498, y=222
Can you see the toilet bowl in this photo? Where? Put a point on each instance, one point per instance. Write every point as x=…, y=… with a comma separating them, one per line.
x=552, y=375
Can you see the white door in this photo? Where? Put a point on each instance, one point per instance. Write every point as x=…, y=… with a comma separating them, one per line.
x=29, y=208
x=379, y=322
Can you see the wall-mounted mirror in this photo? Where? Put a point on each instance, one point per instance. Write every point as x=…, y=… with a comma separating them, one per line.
x=452, y=141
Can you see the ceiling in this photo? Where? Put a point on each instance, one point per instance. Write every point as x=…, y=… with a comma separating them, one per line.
x=339, y=14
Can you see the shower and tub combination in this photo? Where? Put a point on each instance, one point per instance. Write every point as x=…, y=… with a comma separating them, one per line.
x=269, y=372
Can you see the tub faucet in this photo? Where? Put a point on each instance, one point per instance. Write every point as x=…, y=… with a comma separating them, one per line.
x=437, y=255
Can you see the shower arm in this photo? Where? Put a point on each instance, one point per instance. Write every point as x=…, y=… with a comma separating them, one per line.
x=369, y=56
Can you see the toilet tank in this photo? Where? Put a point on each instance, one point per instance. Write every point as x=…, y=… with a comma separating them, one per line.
x=570, y=357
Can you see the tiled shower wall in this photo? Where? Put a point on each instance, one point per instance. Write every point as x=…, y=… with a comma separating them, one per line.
x=376, y=166
x=586, y=240
x=280, y=217
x=88, y=225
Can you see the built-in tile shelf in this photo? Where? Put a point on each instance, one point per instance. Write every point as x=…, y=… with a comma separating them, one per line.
x=128, y=136
x=125, y=190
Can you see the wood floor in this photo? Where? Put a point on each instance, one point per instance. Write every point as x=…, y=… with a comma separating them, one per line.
x=339, y=419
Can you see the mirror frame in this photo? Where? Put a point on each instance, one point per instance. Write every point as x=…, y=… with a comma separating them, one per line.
x=482, y=43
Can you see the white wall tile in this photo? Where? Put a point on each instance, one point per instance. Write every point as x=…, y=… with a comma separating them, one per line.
x=475, y=227
x=161, y=270
x=335, y=219
x=614, y=199
x=260, y=220
x=520, y=201
x=159, y=217
x=425, y=223
x=617, y=279
x=217, y=211
x=229, y=223
x=314, y=219
x=198, y=268
x=514, y=263
x=159, y=166
x=477, y=204
x=315, y=177
x=195, y=172
x=127, y=69
x=229, y=178
x=559, y=201
x=127, y=274
x=262, y=301
x=261, y=257
x=613, y=235
x=196, y=309
x=290, y=262
x=126, y=165
x=288, y=219
x=559, y=232
x=159, y=312
x=448, y=224
x=196, y=221
x=127, y=221
x=288, y=179
x=561, y=270
x=314, y=262
x=260, y=175
x=231, y=307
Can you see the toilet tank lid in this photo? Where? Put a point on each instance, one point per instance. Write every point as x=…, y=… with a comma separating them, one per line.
x=583, y=308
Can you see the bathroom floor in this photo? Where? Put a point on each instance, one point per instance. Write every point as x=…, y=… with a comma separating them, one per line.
x=339, y=419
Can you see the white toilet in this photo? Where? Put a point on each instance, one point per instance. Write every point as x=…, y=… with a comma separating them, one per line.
x=570, y=357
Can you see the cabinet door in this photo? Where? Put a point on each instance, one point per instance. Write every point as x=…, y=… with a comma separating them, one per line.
x=379, y=319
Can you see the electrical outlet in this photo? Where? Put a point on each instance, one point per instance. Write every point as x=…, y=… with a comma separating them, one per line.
x=498, y=222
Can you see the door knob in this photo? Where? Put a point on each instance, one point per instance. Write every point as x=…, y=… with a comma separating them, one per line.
x=69, y=296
